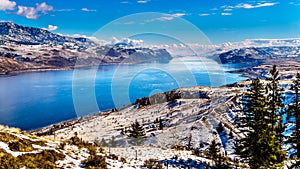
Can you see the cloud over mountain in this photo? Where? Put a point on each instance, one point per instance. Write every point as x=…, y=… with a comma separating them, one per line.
x=51, y=28
x=7, y=5
x=34, y=12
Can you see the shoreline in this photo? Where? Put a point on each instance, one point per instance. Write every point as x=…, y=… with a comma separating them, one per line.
x=14, y=73
x=31, y=70
x=70, y=68
x=236, y=70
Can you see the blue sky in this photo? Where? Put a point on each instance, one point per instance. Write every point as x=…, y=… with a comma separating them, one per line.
x=220, y=20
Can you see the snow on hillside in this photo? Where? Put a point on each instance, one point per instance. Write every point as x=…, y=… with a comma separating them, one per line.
x=190, y=121
x=184, y=118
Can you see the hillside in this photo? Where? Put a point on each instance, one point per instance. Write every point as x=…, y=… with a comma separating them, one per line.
x=185, y=113
x=19, y=149
x=22, y=35
x=179, y=125
x=259, y=55
x=31, y=49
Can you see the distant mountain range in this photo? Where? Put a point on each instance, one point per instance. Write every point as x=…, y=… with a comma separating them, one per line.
x=10, y=32
x=27, y=49
x=261, y=43
x=258, y=55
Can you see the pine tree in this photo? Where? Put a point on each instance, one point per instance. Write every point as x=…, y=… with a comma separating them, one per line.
x=213, y=150
x=103, y=142
x=231, y=135
x=220, y=127
x=275, y=109
x=113, y=142
x=259, y=145
x=215, y=154
x=161, y=125
x=275, y=115
x=137, y=133
x=251, y=124
x=294, y=117
x=189, y=142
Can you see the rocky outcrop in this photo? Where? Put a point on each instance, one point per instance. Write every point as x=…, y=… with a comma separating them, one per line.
x=171, y=96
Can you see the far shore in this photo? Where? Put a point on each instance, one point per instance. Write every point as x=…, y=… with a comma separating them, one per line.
x=47, y=69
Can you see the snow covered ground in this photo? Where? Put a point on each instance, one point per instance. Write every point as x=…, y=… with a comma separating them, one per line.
x=187, y=122
x=189, y=118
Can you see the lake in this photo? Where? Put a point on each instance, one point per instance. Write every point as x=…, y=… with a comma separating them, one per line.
x=37, y=99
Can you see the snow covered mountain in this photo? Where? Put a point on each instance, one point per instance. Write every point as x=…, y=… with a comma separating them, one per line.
x=208, y=50
x=11, y=32
x=261, y=43
x=26, y=49
x=258, y=55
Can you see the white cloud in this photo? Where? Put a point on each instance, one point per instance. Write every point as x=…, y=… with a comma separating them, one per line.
x=32, y=12
x=143, y=1
x=228, y=9
x=88, y=10
x=226, y=14
x=7, y=5
x=44, y=8
x=167, y=17
x=28, y=12
x=51, y=28
x=204, y=14
x=134, y=42
x=176, y=15
x=258, y=5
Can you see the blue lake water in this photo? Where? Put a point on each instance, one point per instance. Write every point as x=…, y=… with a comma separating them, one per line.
x=34, y=100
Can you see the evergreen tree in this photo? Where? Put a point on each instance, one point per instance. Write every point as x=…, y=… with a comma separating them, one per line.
x=215, y=154
x=220, y=127
x=137, y=133
x=294, y=117
x=113, y=142
x=258, y=145
x=275, y=109
x=213, y=150
x=122, y=132
x=103, y=143
x=161, y=125
x=189, y=144
x=231, y=135
x=275, y=113
x=251, y=124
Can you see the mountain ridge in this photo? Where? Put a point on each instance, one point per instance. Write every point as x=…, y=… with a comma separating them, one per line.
x=33, y=49
x=26, y=35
